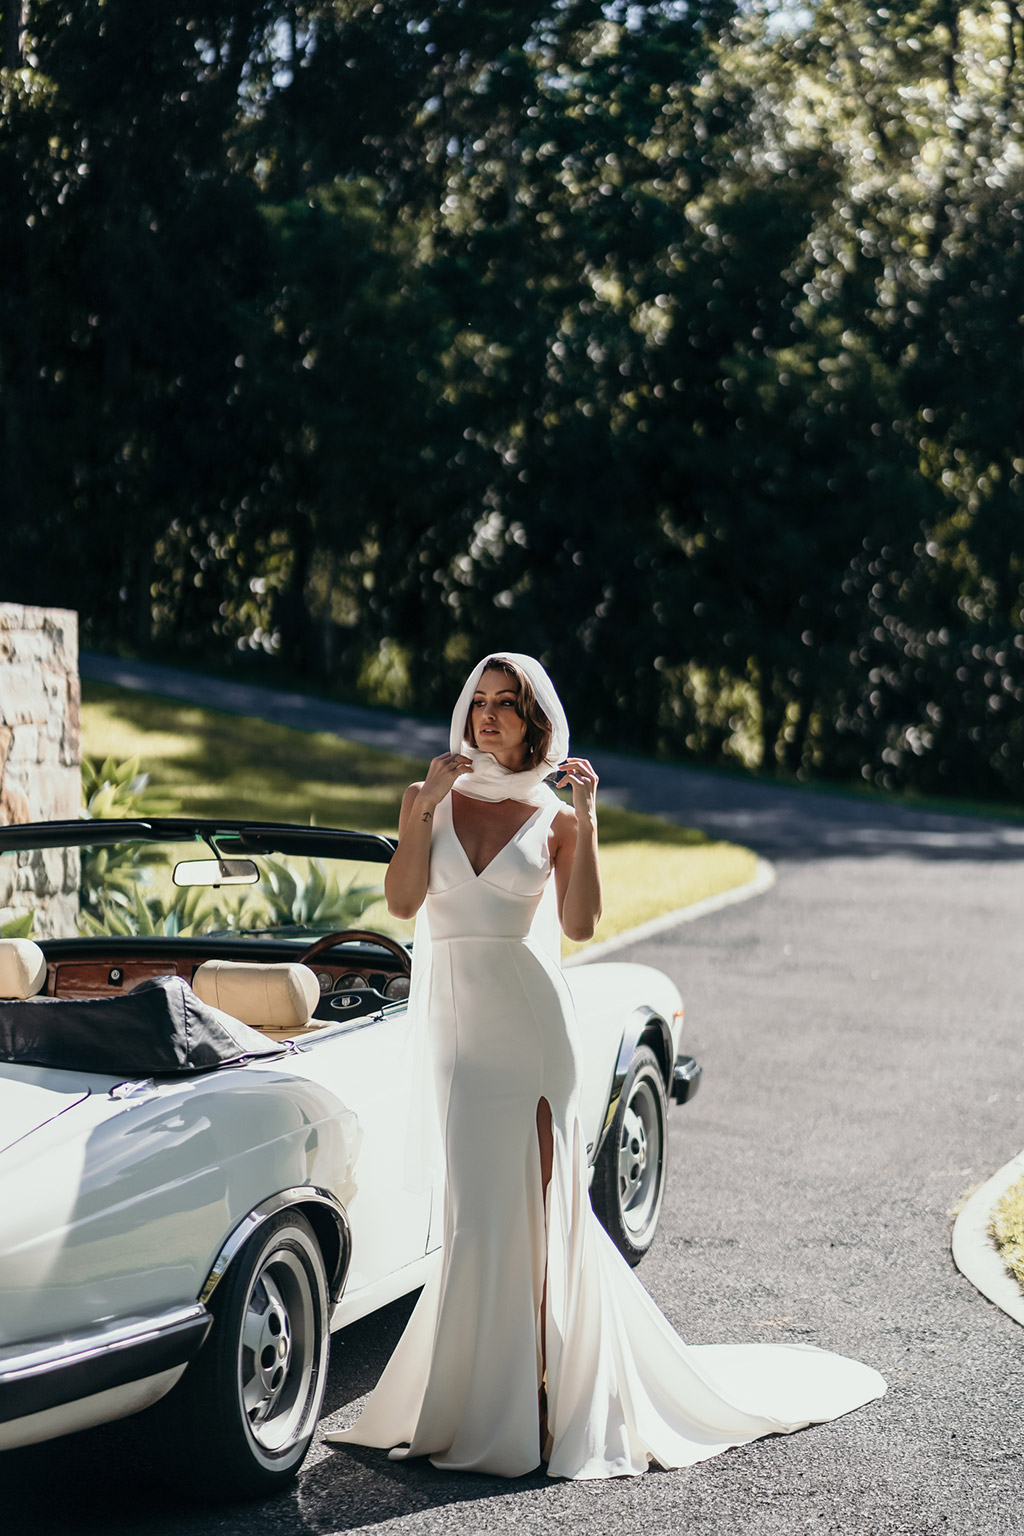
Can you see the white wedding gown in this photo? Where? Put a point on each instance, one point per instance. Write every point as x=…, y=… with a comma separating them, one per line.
x=622, y=1388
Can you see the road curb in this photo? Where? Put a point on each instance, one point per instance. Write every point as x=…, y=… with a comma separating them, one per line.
x=763, y=880
x=974, y=1251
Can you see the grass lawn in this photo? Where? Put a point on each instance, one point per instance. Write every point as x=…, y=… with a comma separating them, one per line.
x=212, y=764
x=1007, y=1227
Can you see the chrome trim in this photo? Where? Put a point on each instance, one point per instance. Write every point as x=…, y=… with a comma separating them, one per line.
x=36, y=1376
x=333, y=1029
x=302, y=1194
x=134, y=1090
x=26, y=1360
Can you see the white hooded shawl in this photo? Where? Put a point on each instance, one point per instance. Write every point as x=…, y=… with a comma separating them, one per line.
x=489, y=779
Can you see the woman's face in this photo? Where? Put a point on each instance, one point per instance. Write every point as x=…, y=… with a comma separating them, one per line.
x=497, y=727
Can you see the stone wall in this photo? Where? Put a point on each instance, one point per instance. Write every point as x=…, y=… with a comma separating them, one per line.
x=40, y=759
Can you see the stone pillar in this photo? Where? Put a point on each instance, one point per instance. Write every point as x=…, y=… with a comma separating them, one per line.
x=40, y=759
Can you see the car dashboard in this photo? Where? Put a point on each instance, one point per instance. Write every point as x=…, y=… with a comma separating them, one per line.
x=354, y=978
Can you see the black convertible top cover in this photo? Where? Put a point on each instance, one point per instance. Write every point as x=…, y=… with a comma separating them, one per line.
x=160, y=1028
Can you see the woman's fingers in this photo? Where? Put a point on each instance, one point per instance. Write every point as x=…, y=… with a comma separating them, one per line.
x=580, y=773
x=579, y=767
x=452, y=762
x=443, y=772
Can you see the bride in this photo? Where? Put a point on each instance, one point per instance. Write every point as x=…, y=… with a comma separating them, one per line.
x=533, y=1340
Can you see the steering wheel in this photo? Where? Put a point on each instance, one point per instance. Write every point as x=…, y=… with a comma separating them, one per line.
x=356, y=936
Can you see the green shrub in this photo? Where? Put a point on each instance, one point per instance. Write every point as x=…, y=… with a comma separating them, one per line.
x=1006, y=1224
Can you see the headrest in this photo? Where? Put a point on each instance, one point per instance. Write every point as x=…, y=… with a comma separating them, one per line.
x=277, y=997
x=22, y=968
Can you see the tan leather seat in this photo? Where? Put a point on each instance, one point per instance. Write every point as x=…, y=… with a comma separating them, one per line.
x=22, y=968
x=276, y=999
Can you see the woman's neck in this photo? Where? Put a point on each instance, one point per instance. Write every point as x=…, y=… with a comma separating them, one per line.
x=508, y=757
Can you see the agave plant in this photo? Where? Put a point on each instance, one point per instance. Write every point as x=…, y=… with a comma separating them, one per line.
x=119, y=894
x=313, y=897
x=115, y=791
x=132, y=912
x=16, y=925
x=110, y=874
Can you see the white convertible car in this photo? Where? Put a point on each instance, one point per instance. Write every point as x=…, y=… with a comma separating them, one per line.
x=205, y=1121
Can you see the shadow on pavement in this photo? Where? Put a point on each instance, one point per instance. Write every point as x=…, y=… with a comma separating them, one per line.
x=113, y=1480
x=356, y=1488
x=798, y=824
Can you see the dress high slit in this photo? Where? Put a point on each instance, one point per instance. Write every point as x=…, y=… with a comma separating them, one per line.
x=528, y=1291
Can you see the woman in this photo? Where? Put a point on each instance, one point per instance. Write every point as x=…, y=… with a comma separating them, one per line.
x=533, y=1339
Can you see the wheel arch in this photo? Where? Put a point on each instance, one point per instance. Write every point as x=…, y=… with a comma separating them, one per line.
x=645, y=1026
x=325, y=1214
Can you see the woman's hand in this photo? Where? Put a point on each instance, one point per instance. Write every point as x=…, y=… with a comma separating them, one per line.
x=578, y=772
x=441, y=775
x=405, y=883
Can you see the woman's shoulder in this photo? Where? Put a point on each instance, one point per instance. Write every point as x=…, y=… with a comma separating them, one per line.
x=564, y=825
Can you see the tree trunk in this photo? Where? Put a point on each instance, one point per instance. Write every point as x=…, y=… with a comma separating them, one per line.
x=949, y=62
x=769, y=722
x=796, y=749
x=13, y=25
x=1013, y=20
x=290, y=613
x=144, y=599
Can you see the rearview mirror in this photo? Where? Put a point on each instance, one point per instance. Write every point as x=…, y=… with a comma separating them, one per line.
x=216, y=872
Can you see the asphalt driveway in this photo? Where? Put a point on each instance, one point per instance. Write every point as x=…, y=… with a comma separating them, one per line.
x=861, y=1033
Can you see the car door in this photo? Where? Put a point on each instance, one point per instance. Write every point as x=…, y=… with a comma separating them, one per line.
x=365, y=1064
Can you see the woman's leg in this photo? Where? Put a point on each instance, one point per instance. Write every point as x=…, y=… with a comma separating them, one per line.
x=545, y=1137
x=546, y=1141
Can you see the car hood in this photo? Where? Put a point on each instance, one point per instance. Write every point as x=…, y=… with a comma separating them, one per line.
x=33, y=1096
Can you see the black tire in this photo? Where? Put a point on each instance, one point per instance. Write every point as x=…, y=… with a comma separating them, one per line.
x=629, y=1174
x=246, y=1408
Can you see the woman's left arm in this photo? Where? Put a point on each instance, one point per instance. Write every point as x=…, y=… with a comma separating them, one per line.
x=577, y=871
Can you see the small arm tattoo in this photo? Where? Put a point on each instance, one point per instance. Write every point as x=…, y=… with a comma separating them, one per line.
x=427, y=816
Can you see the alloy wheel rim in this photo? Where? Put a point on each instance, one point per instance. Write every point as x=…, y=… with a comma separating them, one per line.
x=639, y=1158
x=278, y=1351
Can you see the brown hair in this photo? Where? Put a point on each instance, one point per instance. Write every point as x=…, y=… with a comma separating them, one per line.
x=538, y=726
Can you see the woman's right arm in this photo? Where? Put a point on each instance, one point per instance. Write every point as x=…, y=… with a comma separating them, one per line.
x=405, y=884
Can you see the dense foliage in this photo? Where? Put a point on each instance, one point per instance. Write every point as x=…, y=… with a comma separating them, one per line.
x=677, y=342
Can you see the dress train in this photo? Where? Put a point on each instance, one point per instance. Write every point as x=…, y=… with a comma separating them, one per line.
x=623, y=1389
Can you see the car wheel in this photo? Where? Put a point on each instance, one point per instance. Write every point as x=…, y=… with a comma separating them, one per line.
x=252, y=1396
x=629, y=1174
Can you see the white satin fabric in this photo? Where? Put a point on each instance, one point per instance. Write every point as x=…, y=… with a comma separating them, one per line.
x=490, y=780
x=623, y=1389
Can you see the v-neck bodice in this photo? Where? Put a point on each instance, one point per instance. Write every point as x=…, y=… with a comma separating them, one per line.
x=501, y=900
x=477, y=873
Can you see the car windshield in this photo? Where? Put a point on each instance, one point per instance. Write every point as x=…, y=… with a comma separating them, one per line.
x=142, y=886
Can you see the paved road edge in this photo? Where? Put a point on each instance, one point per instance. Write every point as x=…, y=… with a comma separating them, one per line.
x=975, y=1254
x=763, y=880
